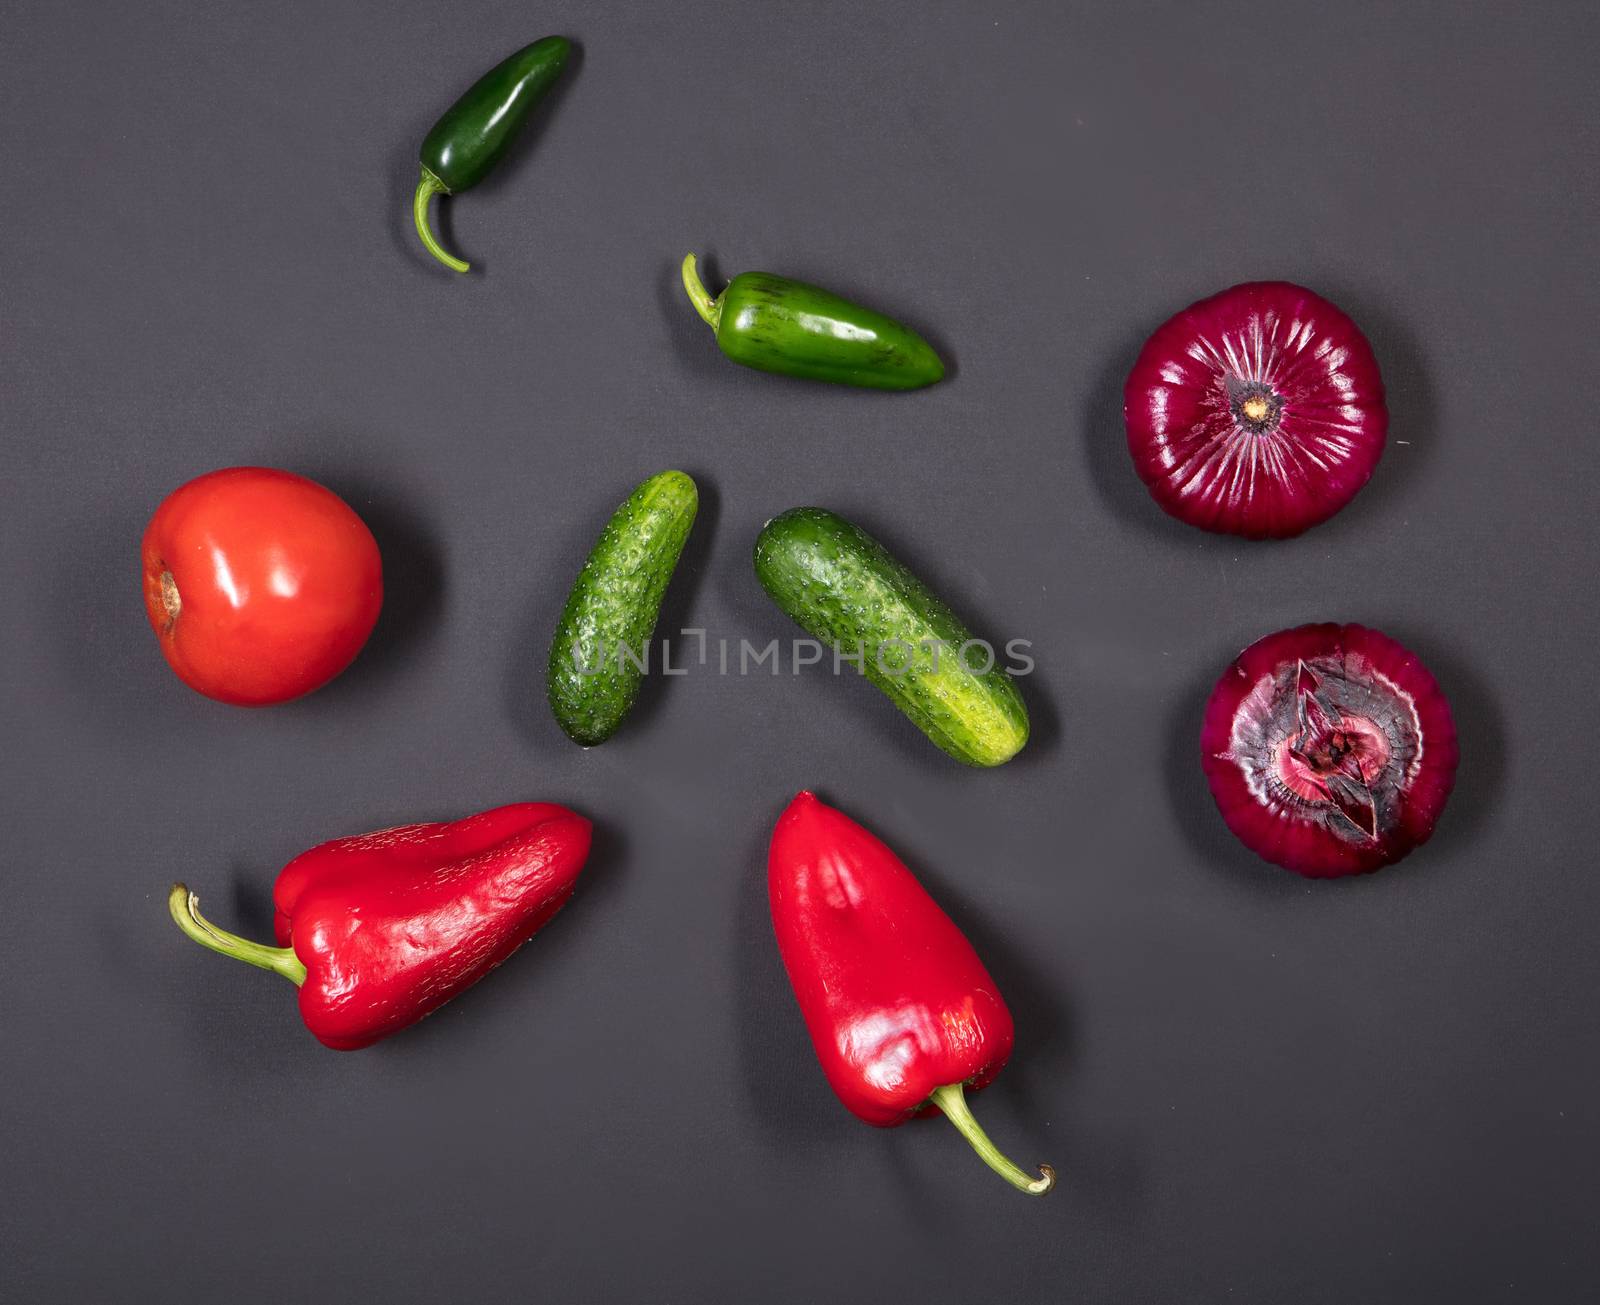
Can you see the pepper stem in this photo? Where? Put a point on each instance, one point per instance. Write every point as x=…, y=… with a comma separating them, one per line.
x=954, y=1105
x=709, y=309
x=427, y=188
x=185, y=908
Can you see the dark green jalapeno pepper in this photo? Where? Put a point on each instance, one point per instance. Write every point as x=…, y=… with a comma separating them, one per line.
x=777, y=325
x=478, y=129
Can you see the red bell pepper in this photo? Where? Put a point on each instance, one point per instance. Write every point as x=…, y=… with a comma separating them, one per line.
x=379, y=930
x=901, y=1012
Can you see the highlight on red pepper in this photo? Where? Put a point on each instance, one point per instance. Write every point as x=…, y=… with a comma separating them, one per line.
x=902, y=1013
x=379, y=930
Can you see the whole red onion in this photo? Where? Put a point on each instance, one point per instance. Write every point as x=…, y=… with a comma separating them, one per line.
x=1329, y=749
x=1257, y=412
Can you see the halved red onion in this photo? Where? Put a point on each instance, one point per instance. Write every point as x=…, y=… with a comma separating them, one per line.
x=1329, y=748
x=1257, y=412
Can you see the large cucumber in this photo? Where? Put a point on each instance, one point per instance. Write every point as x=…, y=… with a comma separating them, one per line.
x=601, y=644
x=844, y=588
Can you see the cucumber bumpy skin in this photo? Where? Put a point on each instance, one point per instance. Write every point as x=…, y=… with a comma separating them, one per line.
x=841, y=586
x=614, y=604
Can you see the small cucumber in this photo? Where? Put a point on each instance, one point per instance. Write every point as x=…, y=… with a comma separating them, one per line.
x=601, y=644
x=844, y=588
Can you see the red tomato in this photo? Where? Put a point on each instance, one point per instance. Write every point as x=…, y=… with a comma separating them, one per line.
x=261, y=585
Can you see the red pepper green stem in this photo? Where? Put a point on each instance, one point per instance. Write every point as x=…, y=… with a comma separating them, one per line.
x=185, y=908
x=954, y=1105
x=427, y=188
x=709, y=309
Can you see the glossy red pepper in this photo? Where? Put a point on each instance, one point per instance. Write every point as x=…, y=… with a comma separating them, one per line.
x=381, y=929
x=901, y=1011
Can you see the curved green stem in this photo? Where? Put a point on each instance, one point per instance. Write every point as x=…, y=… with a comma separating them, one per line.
x=427, y=188
x=185, y=908
x=954, y=1104
x=709, y=309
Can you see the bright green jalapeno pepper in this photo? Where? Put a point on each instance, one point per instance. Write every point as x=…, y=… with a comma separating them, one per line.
x=477, y=130
x=777, y=325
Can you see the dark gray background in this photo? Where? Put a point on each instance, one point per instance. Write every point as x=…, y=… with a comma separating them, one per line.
x=1255, y=1089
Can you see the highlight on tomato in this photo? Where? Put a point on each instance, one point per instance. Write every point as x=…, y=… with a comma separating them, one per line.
x=261, y=585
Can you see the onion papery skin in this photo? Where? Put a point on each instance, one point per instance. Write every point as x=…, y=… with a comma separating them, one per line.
x=1389, y=720
x=1308, y=375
